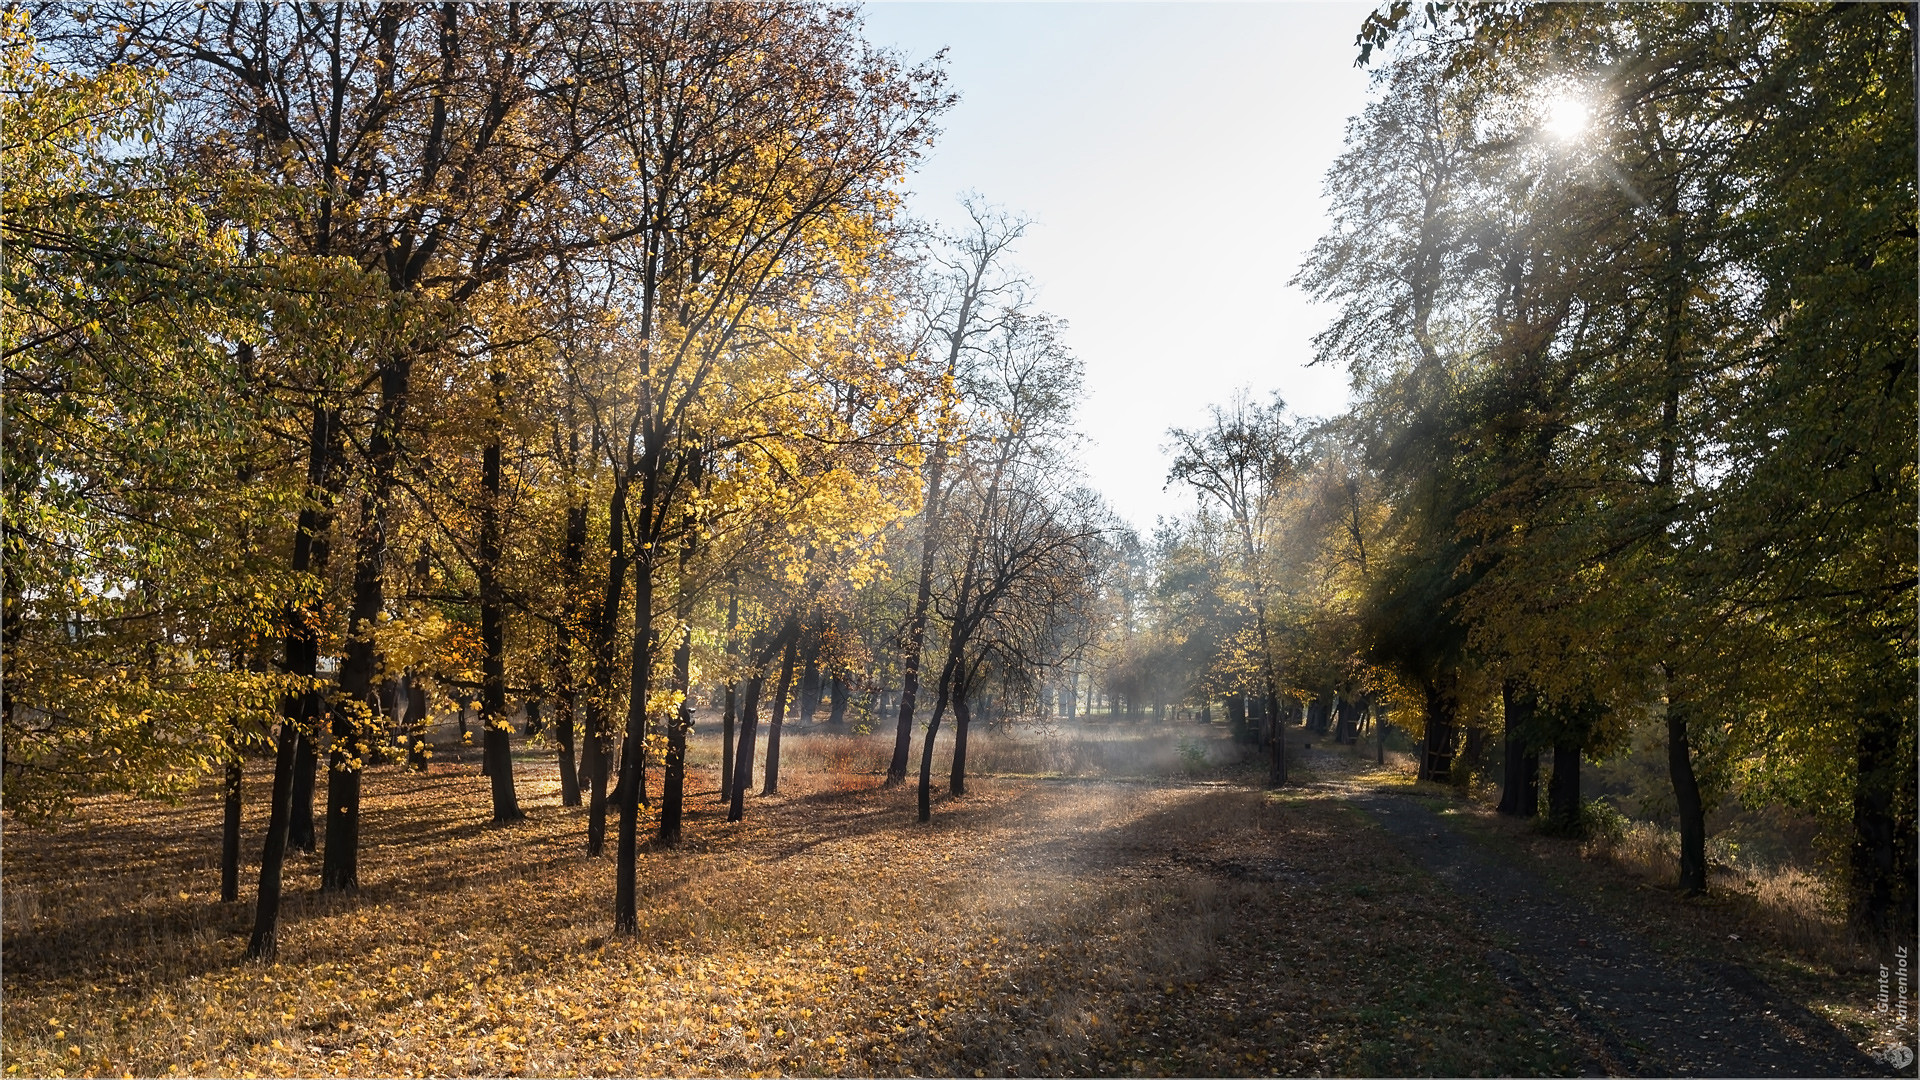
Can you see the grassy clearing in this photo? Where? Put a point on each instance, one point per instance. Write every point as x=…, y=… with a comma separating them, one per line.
x=1157, y=918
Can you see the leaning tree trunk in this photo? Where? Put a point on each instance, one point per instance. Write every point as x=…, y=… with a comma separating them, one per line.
x=917, y=625
x=749, y=732
x=926, y=747
x=340, y=863
x=305, y=710
x=780, y=708
x=1687, y=802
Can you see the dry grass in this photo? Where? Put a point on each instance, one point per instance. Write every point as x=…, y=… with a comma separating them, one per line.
x=1036, y=927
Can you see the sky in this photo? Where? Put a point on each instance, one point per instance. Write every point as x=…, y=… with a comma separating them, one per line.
x=1171, y=157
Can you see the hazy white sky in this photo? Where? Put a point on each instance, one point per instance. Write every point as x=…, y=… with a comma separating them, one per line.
x=1171, y=156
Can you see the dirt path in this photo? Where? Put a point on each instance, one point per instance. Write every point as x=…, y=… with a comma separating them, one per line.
x=1640, y=1012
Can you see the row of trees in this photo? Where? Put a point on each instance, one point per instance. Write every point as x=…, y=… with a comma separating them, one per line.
x=1627, y=297
x=573, y=355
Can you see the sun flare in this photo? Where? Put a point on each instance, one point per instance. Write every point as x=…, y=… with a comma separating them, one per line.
x=1566, y=116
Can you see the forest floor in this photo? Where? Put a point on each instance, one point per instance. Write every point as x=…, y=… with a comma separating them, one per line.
x=1115, y=899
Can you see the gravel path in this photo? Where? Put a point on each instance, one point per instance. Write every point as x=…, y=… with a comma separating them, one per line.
x=1644, y=1013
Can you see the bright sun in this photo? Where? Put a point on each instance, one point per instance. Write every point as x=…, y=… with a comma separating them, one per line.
x=1566, y=116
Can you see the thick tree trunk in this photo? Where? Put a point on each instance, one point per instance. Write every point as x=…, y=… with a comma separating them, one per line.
x=810, y=682
x=265, y=942
x=1520, y=778
x=1436, y=759
x=496, y=732
x=311, y=553
x=1563, y=791
x=415, y=723
x=957, y=776
x=837, y=703
x=780, y=707
x=749, y=731
x=1881, y=863
x=306, y=766
x=1687, y=803
x=340, y=863
x=926, y=747
x=1277, y=745
x=727, y=714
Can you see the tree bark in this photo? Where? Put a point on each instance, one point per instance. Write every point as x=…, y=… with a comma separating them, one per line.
x=941, y=701
x=749, y=731
x=837, y=703
x=496, y=733
x=1880, y=863
x=415, y=722
x=633, y=755
x=1563, y=791
x=780, y=707
x=917, y=625
x=600, y=678
x=727, y=713
x=566, y=696
x=1436, y=759
x=673, y=783
x=1520, y=779
x=340, y=863
x=957, y=776
x=1687, y=802
x=230, y=830
x=306, y=766
x=301, y=640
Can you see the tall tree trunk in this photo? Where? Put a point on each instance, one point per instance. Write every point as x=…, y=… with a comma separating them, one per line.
x=837, y=704
x=1436, y=759
x=302, y=644
x=1880, y=863
x=415, y=723
x=917, y=625
x=230, y=828
x=496, y=733
x=957, y=775
x=1563, y=791
x=810, y=682
x=743, y=755
x=600, y=666
x=566, y=696
x=1687, y=802
x=780, y=707
x=306, y=767
x=340, y=863
x=673, y=784
x=941, y=701
x=1520, y=779
x=633, y=754
x=727, y=707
